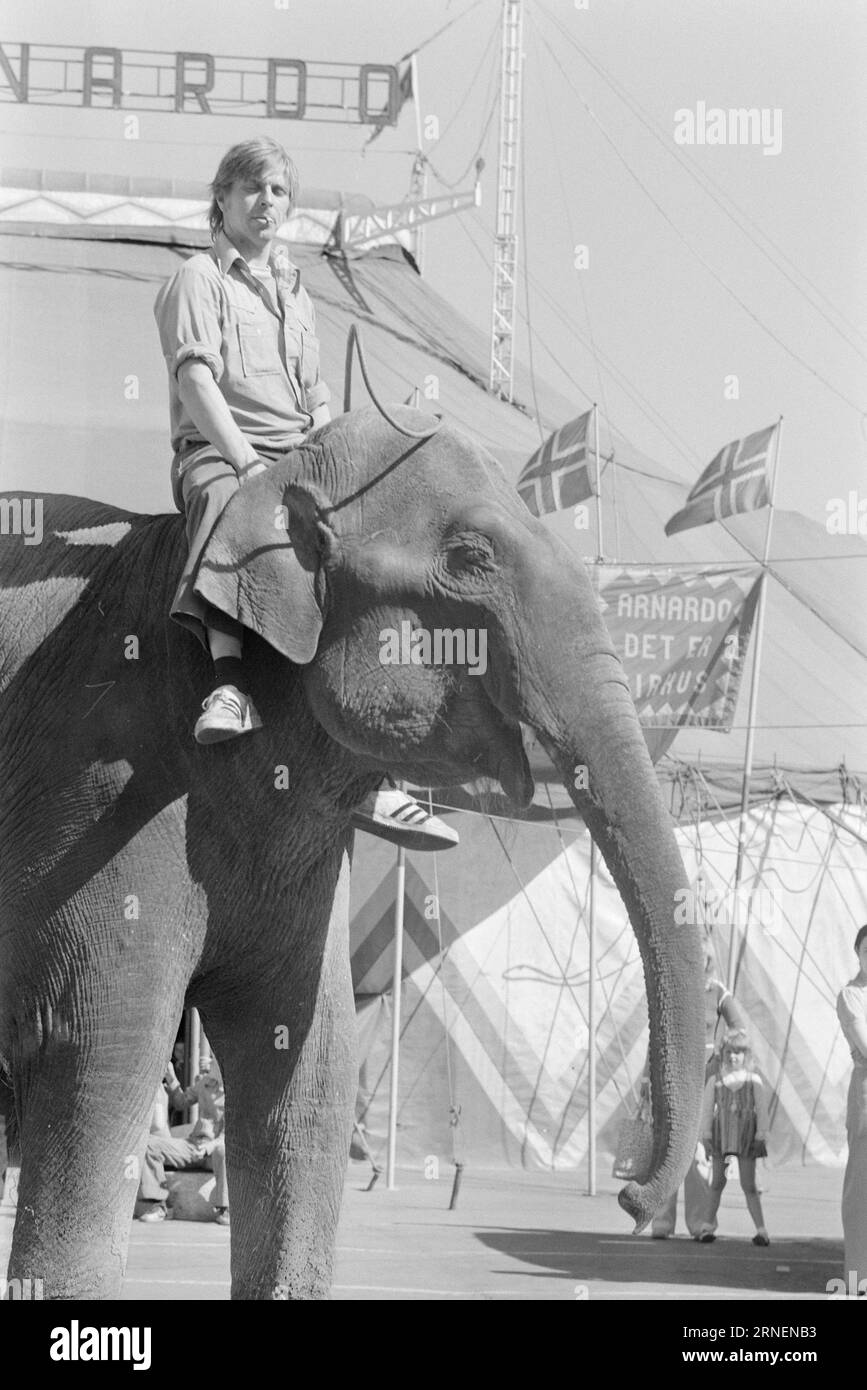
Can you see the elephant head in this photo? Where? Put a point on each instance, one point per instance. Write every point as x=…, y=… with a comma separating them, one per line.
x=350, y=557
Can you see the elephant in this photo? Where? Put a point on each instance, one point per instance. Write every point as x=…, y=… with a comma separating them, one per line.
x=142, y=873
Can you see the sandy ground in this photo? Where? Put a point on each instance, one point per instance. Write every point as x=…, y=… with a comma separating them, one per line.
x=522, y=1236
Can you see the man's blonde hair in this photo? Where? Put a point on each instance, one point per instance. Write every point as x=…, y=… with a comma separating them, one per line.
x=249, y=160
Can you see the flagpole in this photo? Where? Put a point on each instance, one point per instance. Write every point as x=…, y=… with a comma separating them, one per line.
x=397, y=978
x=591, y=982
x=599, y=547
x=419, y=236
x=751, y=717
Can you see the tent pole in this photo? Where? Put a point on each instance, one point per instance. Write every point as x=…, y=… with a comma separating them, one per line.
x=751, y=723
x=397, y=977
x=193, y=1042
x=591, y=1029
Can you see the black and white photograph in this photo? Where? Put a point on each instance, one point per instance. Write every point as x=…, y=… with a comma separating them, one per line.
x=433, y=662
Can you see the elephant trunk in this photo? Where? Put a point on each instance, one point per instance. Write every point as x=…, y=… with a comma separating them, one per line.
x=579, y=704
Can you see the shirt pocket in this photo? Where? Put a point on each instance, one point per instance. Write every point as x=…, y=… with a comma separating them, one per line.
x=256, y=343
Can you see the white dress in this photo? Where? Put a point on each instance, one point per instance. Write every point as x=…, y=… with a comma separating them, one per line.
x=851, y=1008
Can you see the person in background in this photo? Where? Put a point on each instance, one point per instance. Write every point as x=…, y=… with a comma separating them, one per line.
x=734, y=1121
x=852, y=1013
x=204, y=1147
x=721, y=1012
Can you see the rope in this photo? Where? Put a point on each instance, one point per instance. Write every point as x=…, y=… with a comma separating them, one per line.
x=572, y=242
x=702, y=260
x=711, y=188
x=353, y=340
x=490, y=102
x=442, y=29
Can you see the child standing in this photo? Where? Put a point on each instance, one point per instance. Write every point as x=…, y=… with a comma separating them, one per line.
x=734, y=1120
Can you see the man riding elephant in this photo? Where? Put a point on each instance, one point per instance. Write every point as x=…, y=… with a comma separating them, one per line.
x=238, y=333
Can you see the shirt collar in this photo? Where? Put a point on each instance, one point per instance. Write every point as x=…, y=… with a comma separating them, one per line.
x=286, y=271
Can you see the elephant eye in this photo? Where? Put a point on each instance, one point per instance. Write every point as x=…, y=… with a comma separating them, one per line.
x=469, y=553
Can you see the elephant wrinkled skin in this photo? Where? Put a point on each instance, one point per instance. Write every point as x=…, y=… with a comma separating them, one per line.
x=140, y=872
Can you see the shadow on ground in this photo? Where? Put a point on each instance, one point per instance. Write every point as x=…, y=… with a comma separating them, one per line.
x=786, y=1266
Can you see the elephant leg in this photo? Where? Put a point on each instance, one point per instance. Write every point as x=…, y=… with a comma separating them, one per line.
x=85, y=1070
x=289, y=1062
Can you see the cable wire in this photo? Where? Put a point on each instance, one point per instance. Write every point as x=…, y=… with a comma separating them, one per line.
x=459, y=108
x=796, y=357
x=425, y=43
x=712, y=189
x=603, y=395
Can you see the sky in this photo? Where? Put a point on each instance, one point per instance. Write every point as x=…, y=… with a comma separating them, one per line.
x=676, y=299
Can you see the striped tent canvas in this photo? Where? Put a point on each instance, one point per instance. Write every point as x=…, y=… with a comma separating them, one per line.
x=494, y=1041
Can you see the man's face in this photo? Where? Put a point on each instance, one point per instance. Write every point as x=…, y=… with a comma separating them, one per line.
x=253, y=210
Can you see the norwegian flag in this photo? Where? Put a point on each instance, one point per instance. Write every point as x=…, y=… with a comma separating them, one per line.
x=735, y=481
x=558, y=474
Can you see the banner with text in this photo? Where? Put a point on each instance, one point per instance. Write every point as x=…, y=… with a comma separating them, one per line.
x=682, y=638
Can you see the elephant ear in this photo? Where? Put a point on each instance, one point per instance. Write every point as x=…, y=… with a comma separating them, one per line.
x=262, y=561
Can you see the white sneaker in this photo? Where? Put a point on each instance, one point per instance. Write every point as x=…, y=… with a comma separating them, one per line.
x=155, y=1211
x=394, y=816
x=227, y=713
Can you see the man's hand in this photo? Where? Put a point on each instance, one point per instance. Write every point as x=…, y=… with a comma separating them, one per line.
x=250, y=470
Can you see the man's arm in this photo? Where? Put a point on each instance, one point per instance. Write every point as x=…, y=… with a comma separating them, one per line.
x=211, y=416
x=321, y=416
x=173, y=1087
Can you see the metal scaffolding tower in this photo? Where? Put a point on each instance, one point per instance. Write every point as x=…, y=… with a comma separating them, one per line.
x=506, y=244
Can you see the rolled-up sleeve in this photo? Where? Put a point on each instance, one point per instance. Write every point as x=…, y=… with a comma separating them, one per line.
x=318, y=395
x=188, y=313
